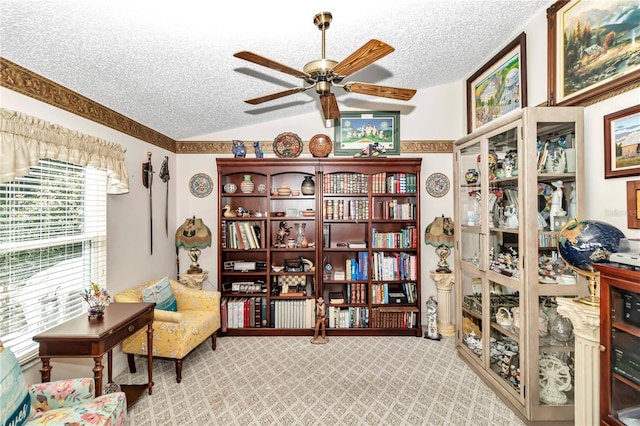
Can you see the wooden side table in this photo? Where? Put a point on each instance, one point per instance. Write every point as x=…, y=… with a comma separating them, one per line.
x=81, y=337
x=194, y=280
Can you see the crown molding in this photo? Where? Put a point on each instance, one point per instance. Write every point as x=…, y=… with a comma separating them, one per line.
x=29, y=83
x=226, y=147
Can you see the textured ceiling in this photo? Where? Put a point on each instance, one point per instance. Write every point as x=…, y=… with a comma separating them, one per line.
x=170, y=65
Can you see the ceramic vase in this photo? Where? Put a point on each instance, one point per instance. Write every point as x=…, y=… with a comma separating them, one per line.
x=471, y=176
x=247, y=185
x=308, y=186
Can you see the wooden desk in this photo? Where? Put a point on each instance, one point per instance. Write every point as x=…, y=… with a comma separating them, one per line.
x=81, y=337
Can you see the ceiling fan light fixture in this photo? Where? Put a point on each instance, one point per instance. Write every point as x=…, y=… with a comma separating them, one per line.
x=324, y=73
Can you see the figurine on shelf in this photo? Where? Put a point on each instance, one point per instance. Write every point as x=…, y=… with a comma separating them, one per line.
x=320, y=323
x=239, y=150
x=256, y=148
x=227, y=212
x=283, y=233
x=556, y=204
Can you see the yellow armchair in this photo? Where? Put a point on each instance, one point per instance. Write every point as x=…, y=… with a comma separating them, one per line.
x=175, y=334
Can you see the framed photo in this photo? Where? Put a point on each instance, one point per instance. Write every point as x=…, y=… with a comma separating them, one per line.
x=622, y=143
x=633, y=204
x=592, y=50
x=499, y=87
x=355, y=131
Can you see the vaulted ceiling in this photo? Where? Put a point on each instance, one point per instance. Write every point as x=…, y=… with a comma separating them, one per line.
x=170, y=65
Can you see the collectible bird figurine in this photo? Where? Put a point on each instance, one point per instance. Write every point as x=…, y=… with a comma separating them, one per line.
x=227, y=212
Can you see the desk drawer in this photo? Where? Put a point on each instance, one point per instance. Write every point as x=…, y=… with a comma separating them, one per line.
x=128, y=329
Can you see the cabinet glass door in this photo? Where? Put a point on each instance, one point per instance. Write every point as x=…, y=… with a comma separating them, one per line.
x=470, y=211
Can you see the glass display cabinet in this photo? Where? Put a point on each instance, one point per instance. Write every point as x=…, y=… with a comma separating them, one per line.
x=517, y=180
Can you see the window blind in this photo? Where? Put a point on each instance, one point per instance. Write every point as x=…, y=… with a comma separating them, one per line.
x=52, y=246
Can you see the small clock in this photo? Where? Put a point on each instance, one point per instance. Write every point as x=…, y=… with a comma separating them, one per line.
x=437, y=185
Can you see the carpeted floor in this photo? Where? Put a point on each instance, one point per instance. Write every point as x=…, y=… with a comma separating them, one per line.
x=288, y=381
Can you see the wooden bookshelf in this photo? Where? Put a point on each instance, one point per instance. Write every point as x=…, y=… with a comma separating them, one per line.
x=363, y=220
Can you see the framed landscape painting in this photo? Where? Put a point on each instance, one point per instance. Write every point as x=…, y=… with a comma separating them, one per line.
x=355, y=131
x=593, y=50
x=499, y=87
x=622, y=143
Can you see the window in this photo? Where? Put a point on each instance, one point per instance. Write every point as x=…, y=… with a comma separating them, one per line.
x=52, y=245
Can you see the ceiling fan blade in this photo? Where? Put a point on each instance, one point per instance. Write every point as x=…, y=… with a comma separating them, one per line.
x=261, y=60
x=383, y=91
x=330, y=108
x=277, y=95
x=366, y=55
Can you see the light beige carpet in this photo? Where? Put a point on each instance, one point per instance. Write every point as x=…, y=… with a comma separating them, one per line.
x=288, y=381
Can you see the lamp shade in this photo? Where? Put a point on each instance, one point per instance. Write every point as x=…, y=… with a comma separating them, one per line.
x=193, y=233
x=439, y=232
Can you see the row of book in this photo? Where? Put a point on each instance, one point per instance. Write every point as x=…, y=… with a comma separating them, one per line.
x=355, y=293
x=348, y=317
x=549, y=240
x=251, y=312
x=358, y=183
x=394, y=183
x=383, y=317
x=404, y=238
x=357, y=269
x=394, y=266
x=345, y=183
x=242, y=235
x=293, y=313
x=243, y=312
x=340, y=210
x=392, y=209
x=394, y=293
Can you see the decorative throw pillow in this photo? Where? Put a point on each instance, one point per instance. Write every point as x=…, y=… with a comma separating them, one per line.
x=16, y=402
x=162, y=294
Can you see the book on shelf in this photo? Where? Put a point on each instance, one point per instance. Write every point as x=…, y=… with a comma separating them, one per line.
x=357, y=244
x=336, y=297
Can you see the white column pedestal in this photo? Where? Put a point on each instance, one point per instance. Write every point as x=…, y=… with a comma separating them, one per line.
x=586, y=328
x=194, y=281
x=444, y=284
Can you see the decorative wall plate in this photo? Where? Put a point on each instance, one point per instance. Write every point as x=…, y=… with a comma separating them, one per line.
x=437, y=185
x=201, y=185
x=287, y=145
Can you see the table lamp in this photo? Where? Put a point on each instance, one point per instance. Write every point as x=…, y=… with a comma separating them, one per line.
x=194, y=235
x=439, y=234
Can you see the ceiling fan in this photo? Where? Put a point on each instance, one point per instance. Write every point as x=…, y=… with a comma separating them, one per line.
x=323, y=73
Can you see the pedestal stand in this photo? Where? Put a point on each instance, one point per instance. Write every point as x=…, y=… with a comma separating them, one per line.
x=586, y=328
x=444, y=283
x=194, y=280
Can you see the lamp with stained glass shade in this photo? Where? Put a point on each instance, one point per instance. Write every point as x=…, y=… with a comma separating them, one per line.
x=439, y=234
x=193, y=235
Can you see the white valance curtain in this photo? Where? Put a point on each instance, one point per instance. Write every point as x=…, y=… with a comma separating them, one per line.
x=24, y=140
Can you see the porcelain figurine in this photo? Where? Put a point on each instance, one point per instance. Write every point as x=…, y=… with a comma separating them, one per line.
x=239, y=150
x=256, y=148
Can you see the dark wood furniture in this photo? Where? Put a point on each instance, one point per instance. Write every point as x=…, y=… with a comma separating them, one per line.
x=619, y=343
x=354, y=189
x=82, y=337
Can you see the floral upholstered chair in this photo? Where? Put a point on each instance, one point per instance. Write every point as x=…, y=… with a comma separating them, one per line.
x=63, y=402
x=183, y=319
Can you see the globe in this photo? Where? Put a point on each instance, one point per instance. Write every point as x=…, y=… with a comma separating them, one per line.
x=581, y=243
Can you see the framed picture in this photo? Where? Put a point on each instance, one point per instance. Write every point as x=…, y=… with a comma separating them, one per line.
x=633, y=204
x=622, y=143
x=592, y=50
x=355, y=131
x=499, y=87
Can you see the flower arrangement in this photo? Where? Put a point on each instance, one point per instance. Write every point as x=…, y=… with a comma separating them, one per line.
x=97, y=298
